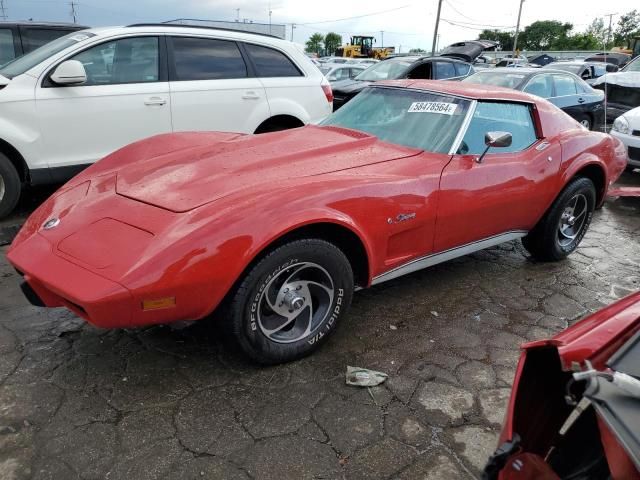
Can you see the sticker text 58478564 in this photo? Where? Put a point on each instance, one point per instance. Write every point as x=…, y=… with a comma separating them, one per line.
x=443, y=108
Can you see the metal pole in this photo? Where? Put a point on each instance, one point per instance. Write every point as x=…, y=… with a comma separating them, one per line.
x=515, y=39
x=610, y=15
x=3, y=12
x=382, y=38
x=435, y=33
x=293, y=26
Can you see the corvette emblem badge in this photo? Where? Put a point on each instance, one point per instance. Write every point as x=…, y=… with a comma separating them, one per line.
x=51, y=223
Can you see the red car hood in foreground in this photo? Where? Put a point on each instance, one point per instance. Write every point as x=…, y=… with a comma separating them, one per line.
x=538, y=407
x=180, y=182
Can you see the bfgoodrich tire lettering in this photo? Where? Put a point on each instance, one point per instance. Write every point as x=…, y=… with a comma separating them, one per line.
x=9, y=186
x=564, y=225
x=289, y=303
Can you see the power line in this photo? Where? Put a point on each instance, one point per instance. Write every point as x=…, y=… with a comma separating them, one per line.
x=357, y=16
x=3, y=10
x=457, y=11
x=480, y=24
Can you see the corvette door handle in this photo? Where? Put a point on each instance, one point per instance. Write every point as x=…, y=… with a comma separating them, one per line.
x=250, y=96
x=155, y=101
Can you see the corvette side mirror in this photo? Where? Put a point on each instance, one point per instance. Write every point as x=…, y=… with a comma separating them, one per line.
x=496, y=140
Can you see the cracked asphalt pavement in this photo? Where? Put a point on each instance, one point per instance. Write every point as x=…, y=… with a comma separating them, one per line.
x=180, y=402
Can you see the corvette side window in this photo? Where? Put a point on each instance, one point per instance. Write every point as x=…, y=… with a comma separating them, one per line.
x=514, y=118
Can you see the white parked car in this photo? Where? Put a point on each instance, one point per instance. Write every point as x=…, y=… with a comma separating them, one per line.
x=347, y=71
x=627, y=128
x=84, y=95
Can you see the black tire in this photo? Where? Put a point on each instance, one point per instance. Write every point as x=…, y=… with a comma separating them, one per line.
x=546, y=241
x=253, y=320
x=10, y=186
x=585, y=120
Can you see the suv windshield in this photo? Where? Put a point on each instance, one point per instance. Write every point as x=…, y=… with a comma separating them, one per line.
x=413, y=118
x=386, y=70
x=27, y=62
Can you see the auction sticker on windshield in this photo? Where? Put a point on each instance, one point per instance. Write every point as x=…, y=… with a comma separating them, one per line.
x=443, y=108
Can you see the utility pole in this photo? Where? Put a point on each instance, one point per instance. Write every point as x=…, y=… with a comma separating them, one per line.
x=435, y=33
x=610, y=15
x=73, y=10
x=293, y=26
x=3, y=11
x=382, y=38
x=237, y=14
x=269, y=18
x=515, y=39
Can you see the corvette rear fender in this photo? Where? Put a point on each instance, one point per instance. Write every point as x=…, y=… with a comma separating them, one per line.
x=592, y=167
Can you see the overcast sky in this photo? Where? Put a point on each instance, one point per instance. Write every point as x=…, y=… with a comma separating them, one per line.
x=406, y=23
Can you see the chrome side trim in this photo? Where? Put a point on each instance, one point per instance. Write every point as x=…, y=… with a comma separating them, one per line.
x=435, y=258
x=463, y=128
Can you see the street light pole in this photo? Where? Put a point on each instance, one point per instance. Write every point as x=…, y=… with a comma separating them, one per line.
x=435, y=33
x=515, y=40
x=382, y=38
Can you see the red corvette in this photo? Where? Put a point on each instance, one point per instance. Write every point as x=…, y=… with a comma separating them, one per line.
x=574, y=411
x=276, y=230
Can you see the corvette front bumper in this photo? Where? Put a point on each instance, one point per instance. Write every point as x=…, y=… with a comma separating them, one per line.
x=55, y=282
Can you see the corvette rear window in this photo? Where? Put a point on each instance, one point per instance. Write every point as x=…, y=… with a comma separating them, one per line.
x=412, y=118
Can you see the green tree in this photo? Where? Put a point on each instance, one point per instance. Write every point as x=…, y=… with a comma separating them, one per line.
x=582, y=41
x=314, y=44
x=545, y=35
x=331, y=42
x=628, y=26
x=505, y=39
x=597, y=30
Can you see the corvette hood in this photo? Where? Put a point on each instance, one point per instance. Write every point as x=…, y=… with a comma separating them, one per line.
x=186, y=179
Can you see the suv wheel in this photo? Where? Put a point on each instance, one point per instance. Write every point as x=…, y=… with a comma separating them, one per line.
x=9, y=186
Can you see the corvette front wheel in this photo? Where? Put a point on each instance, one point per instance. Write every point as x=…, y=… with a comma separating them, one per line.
x=289, y=303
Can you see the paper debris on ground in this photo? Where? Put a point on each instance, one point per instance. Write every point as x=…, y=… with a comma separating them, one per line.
x=363, y=377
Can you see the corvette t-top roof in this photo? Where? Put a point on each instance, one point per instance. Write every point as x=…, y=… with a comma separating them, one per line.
x=467, y=90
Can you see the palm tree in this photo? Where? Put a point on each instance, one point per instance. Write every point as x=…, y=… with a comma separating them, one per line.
x=314, y=44
x=331, y=42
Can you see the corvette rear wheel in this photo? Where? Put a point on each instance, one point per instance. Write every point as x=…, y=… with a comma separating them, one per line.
x=564, y=225
x=291, y=301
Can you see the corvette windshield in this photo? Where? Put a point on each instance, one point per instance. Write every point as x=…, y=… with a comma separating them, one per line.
x=412, y=118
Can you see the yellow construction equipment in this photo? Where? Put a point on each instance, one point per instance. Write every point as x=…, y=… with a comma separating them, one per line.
x=361, y=46
x=633, y=47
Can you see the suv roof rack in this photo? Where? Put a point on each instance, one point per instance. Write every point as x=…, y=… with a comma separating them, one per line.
x=206, y=27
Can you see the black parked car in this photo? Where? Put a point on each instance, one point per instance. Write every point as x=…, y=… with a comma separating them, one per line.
x=19, y=38
x=585, y=70
x=565, y=90
x=438, y=68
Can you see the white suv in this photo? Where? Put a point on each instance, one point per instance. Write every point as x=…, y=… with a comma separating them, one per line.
x=84, y=95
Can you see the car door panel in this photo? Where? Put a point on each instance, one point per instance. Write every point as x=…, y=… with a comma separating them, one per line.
x=507, y=191
x=123, y=100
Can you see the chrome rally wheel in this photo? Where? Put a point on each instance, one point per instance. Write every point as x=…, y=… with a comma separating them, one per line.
x=289, y=303
x=295, y=302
